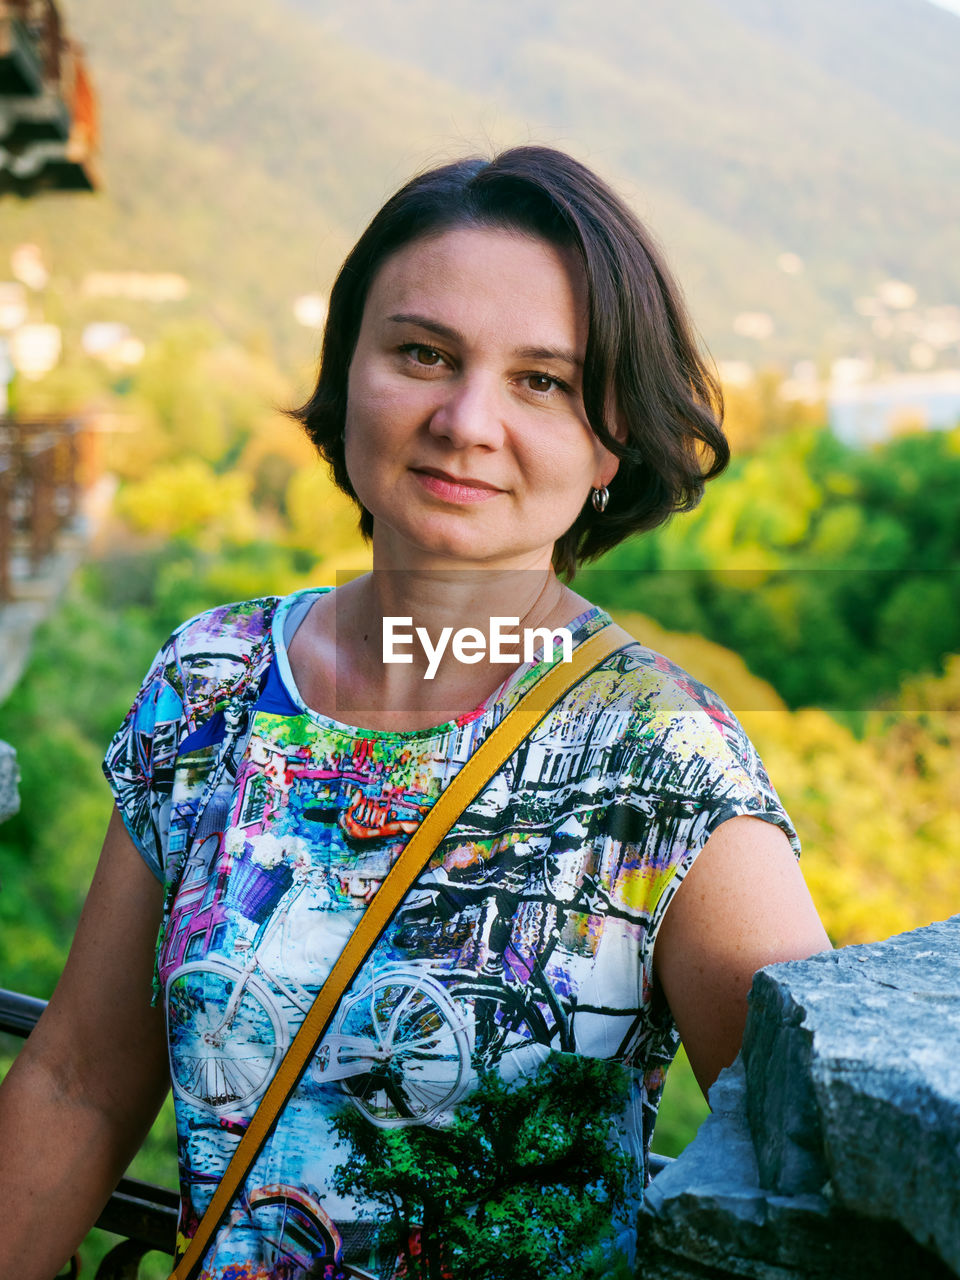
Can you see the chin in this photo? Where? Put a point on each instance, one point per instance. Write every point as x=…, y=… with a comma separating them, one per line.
x=448, y=541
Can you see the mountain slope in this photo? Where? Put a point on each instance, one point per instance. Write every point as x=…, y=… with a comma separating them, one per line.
x=240, y=151
x=822, y=129
x=246, y=145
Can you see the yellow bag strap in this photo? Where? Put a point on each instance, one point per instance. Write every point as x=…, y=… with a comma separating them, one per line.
x=467, y=784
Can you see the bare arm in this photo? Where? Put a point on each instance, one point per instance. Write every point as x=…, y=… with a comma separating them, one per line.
x=742, y=905
x=88, y=1083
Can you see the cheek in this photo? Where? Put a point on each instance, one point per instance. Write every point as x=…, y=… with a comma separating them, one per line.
x=363, y=399
x=566, y=463
x=380, y=419
x=378, y=408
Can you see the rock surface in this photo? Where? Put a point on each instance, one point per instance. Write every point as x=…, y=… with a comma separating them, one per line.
x=9, y=781
x=853, y=1074
x=708, y=1218
x=833, y=1150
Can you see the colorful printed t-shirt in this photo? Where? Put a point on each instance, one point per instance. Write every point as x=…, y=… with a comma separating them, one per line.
x=491, y=1079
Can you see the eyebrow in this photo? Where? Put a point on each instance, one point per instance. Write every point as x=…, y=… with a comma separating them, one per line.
x=454, y=335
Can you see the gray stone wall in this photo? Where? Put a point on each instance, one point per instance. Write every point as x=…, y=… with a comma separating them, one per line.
x=833, y=1147
x=9, y=782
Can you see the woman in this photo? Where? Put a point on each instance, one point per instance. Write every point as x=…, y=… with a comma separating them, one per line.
x=508, y=387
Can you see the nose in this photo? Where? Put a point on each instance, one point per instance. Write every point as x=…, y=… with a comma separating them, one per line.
x=470, y=412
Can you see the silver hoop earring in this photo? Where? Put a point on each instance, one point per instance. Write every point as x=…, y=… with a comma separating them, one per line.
x=600, y=497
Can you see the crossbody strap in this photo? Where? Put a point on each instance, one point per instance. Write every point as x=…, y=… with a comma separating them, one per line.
x=472, y=777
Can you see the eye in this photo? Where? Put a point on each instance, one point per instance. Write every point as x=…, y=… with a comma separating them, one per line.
x=543, y=384
x=427, y=357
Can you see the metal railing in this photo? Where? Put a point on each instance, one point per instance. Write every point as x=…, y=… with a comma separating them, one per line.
x=39, y=485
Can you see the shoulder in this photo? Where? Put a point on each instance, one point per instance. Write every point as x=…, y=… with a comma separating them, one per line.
x=243, y=622
x=206, y=666
x=667, y=710
x=678, y=695
x=225, y=630
x=215, y=655
x=210, y=659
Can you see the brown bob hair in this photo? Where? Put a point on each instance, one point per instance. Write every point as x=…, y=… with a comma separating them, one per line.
x=642, y=361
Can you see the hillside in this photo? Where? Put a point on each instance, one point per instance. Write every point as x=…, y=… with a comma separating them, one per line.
x=745, y=128
x=245, y=145
x=239, y=152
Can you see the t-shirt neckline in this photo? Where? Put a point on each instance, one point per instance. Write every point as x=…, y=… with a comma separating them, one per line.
x=501, y=694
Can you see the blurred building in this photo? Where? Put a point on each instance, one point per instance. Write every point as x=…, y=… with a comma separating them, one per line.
x=48, y=109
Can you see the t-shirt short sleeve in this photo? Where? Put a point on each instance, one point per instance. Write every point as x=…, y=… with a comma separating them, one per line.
x=140, y=760
x=702, y=770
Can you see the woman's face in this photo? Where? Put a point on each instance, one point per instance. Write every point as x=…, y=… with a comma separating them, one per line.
x=466, y=436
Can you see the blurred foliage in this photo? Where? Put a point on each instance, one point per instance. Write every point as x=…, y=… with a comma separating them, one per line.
x=183, y=499
x=834, y=572
x=756, y=412
x=683, y=1108
x=209, y=456
x=206, y=455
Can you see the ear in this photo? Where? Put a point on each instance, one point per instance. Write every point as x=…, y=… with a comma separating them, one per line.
x=618, y=428
x=609, y=462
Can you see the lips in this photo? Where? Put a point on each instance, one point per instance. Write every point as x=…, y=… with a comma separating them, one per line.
x=454, y=491
x=467, y=482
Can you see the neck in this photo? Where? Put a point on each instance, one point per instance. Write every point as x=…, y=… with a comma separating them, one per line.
x=403, y=647
x=461, y=598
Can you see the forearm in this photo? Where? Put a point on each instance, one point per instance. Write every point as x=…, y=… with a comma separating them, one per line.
x=61, y=1158
x=88, y=1083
